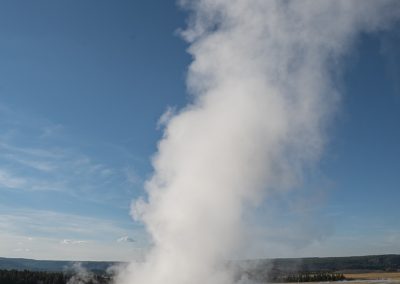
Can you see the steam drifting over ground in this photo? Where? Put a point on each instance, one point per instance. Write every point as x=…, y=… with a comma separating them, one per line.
x=262, y=95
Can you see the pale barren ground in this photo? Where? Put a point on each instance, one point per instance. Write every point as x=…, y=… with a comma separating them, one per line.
x=367, y=278
x=373, y=276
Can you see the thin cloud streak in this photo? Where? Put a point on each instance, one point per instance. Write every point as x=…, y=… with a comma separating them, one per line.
x=126, y=239
x=38, y=223
x=73, y=242
x=37, y=156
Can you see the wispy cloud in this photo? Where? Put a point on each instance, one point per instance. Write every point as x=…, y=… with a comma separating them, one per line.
x=8, y=180
x=72, y=242
x=131, y=176
x=51, y=130
x=52, y=248
x=40, y=159
x=43, y=165
x=64, y=169
x=64, y=226
x=37, y=156
x=22, y=250
x=53, y=235
x=125, y=239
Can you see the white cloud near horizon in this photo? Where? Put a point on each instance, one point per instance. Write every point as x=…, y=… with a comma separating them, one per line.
x=51, y=235
x=73, y=242
x=52, y=249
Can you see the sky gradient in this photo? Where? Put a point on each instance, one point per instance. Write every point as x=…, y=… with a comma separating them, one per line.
x=82, y=88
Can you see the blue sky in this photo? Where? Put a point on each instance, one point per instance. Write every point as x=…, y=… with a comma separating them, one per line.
x=82, y=86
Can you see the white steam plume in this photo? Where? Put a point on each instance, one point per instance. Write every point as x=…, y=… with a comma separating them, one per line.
x=80, y=275
x=262, y=94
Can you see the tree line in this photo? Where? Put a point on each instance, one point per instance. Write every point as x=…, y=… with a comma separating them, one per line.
x=313, y=277
x=43, y=277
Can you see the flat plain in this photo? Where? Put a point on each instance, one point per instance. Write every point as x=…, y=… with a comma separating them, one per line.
x=373, y=276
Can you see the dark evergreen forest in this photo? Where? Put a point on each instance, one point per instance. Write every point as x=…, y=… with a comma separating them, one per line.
x=42, y=277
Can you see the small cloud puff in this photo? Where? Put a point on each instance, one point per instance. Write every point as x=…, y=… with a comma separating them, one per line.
x=72, y=242
x=22, y=250
x=125, y=239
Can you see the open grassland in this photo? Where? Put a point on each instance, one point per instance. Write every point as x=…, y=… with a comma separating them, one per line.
x=373, y=276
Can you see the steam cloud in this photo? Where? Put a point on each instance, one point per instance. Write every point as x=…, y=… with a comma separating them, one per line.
x=262, y=88
x=81, y=275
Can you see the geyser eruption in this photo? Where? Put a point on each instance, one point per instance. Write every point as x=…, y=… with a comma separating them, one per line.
x=262, y=94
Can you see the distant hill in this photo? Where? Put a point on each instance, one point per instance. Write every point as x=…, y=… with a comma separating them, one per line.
x=368, y=263
x=263, y=266
x=51, y=265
